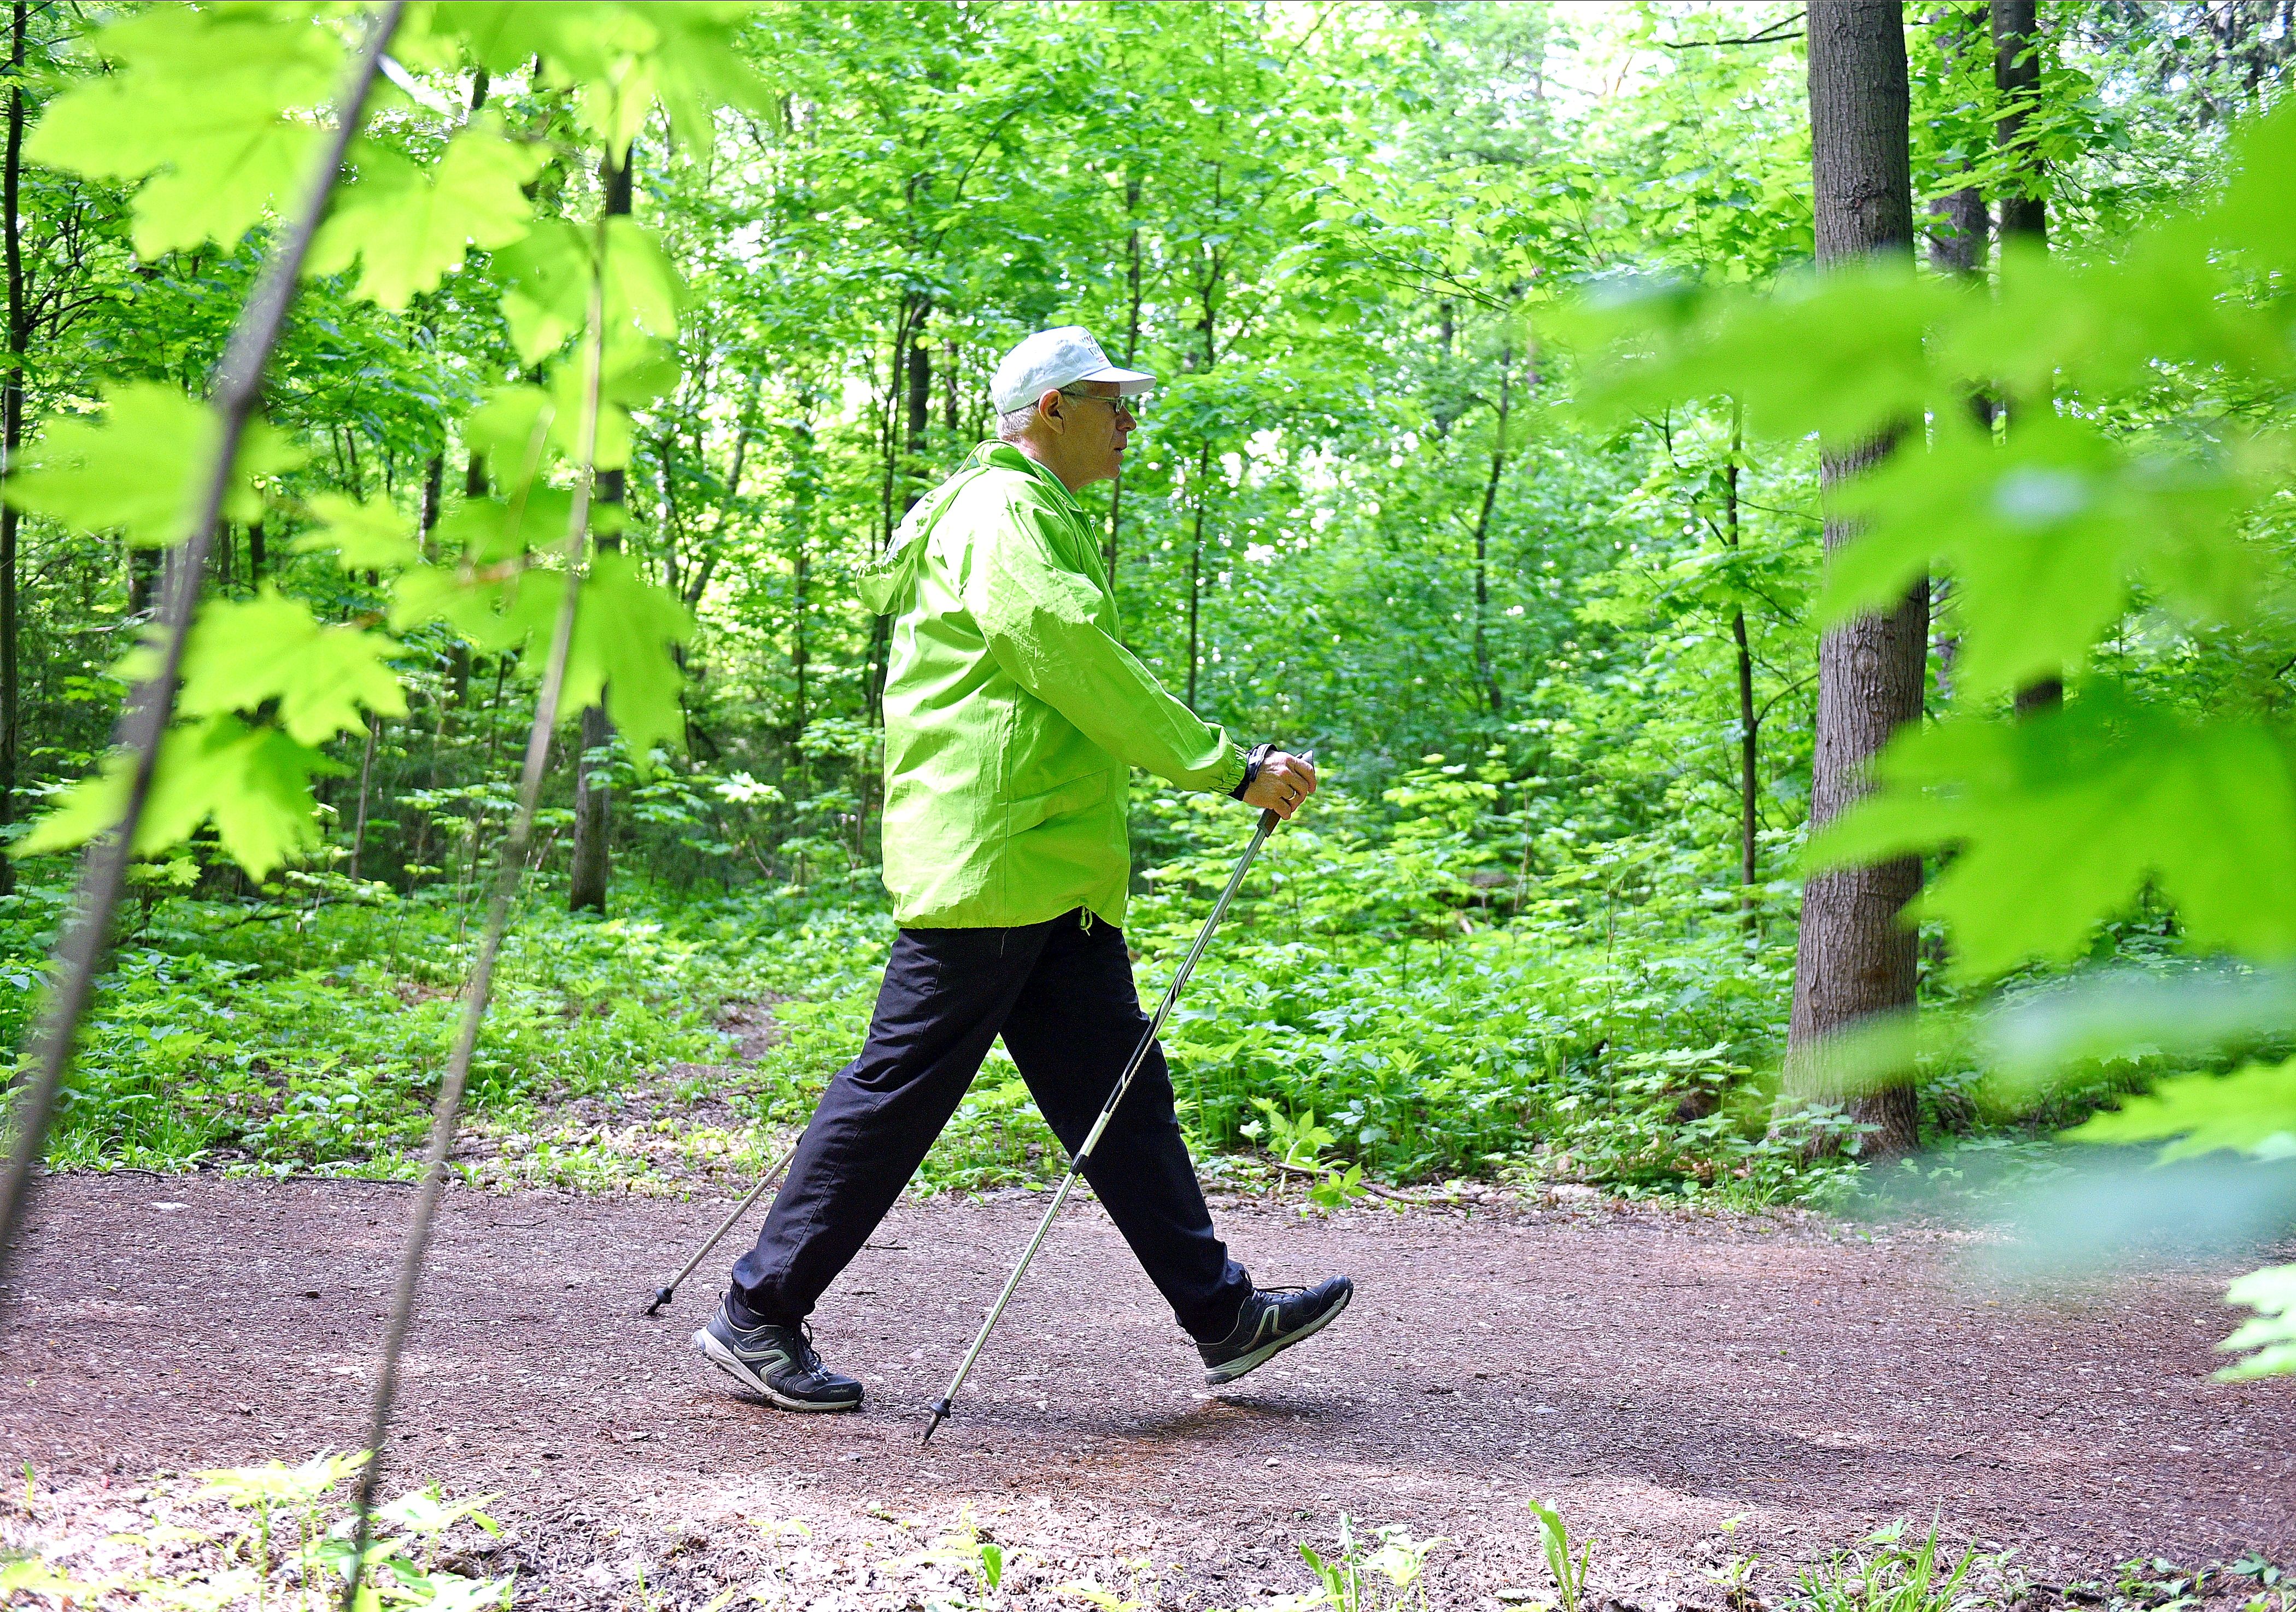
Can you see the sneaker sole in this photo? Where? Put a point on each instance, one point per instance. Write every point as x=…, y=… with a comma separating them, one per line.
x=1266, y=1352
x=719, y=1355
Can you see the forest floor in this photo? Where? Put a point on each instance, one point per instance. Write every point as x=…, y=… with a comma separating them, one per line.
x=1654, y=1375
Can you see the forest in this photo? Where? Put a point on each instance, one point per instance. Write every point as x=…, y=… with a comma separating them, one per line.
x=1776, y=523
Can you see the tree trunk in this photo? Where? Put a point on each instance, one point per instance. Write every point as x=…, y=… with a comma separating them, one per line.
x=12, y=427
x=366, y=777
x=2024, y=206
x=1855, y=960
x=920, y=418
x=802, y=471
x=1196, y=570
x=1131, y=351
x=1749, y=721
x=1483, y=672
x=587, y=876
x=434, y=489
x=2017, y=81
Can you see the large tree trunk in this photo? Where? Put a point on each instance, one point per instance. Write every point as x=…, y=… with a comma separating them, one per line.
x=2024, y=206
x=586, y=879
x=1855, y=959
x=12, y=427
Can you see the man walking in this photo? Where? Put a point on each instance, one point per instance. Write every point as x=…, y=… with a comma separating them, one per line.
x=1013, y=718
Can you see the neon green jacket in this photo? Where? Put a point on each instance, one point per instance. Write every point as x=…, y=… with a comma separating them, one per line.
x=1012, y=715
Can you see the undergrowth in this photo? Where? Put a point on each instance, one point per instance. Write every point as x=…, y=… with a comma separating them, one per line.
x=1419, y=1000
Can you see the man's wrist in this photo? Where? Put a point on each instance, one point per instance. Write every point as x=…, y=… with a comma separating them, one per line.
x=1254, y=759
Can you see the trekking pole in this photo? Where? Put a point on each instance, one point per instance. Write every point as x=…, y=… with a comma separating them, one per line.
x=946, y=1402
x=663, y=1294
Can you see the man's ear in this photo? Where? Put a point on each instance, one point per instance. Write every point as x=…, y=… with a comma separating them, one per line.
x=1049, y=408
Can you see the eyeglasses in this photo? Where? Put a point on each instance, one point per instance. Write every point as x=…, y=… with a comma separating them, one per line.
x=1133, y=405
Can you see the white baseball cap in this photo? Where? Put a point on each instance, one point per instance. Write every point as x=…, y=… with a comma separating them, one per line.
x=1053, y=360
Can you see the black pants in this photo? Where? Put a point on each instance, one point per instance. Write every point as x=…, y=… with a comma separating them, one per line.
x=1060, y=994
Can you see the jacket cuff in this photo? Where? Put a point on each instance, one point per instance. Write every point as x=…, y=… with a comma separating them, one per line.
x=1231, y=774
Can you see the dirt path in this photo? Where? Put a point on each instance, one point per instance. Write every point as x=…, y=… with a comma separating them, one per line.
x=1654, y=1376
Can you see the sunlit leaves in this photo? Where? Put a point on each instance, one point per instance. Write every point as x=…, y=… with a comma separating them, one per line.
x=624, y=626
x=2252, y=1110
x=2272, y=1332
x=209, y=97
x=252, y=783
x=370, y=535
x=547, y=275
x=245, y=655
x=619, y=59
x=264, y=684
x=623, y=629
x=2044, y=536
x=408, y=225
x=2061, y=822
x=139, y=468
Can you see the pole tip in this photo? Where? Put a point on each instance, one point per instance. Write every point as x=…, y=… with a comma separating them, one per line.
x=661, y=1296
x=941, y=1410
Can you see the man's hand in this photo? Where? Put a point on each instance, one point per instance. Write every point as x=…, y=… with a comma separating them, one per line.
x=1283, y=783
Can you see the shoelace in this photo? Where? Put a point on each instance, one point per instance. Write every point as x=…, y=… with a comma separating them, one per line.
x=807, y=1362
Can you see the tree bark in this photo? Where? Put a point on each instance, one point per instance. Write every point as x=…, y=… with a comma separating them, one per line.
x=1131, y=351
x=1749, y=721
x=591, y=866
x=1202, y=490
x=1855, y=960
x=1483, y=672
x=2024, y=206
x=434, y=489
x=802, y=472
x=12, y=427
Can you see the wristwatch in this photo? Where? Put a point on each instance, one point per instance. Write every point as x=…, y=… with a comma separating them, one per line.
x=1254, y=759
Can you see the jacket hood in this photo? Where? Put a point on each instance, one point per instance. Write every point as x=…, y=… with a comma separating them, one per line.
x=886, y=583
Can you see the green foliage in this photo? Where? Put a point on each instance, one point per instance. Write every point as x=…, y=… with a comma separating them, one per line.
x=2271, y=1333
x=1891, y=1575
x=1392, y=1554
x=139, y=469
x=212, y=99
x=2131, y=454
x=407, y=225
x=1570, y=1574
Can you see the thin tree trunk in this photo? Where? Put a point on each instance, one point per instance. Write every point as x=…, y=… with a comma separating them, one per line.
x=434, y=489
x=12, y=427
x=257, y=561
x=802, y=471
x=2024, y=205
x=920, y=422
x=1131, y=351
x=1196, y=570
x=1483, y=672
x=1750, y=722
x=366, y=776
x=590, y=864
x=1853, y=958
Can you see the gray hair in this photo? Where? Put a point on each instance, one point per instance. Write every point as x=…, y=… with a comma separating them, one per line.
x=1013, y=424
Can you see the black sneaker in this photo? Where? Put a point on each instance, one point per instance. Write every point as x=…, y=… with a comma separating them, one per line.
x=1273, y=1320
x=778, y=1362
